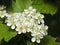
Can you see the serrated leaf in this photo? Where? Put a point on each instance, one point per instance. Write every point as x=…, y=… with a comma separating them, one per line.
x=9, y=35
x=3, y=30
x=44, y=7
x=20, y=5
x=40, y=5
x=48, y=40
x=6, y=33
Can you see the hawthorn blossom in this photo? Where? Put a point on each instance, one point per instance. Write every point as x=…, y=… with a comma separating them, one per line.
x=27, y=21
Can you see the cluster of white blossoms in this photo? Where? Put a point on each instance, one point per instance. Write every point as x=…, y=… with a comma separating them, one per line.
x=2, y=12
x=27, y=21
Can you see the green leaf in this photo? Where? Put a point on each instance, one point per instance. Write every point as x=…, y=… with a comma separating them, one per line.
x=20, y=5
x=41, y=5
x=9, y=35
x=3, y=30
x=48, y=40
x=45, y=7
x=30, y=43
x=6, y=33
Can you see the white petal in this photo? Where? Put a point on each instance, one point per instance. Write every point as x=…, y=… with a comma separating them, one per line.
x=24, y=31
x=38, y=22
x=28, y=30
x=38, y=41
x=17, y=29
x=2, y=16
x=8, y=24
x=19, y=32
x=39, y=26
x=34, y=10
x=17, y=24
x=36, y=17
x=33, y=39
x=32, y=34
x=42, y=16
x=13, y=27
x=15, y=19
x=6, y=14
x=25, y=10
x=30, y=7
x=42, y=21
x=46, y=27
x=42, y=32
x=4, y=11
x=38, y=14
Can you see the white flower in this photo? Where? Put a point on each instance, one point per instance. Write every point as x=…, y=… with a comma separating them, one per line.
x=38, y=41
x=29, y=10
x=19, y=32
x=9, y=24
x=3, y=13
x=12, y=20
x=42, y=21
x=20, y=29
x=28, y=30
x=33, y=39
x=46, y=27
x=13, y=27
x=38, y=32
x=24, y=31
x=36, y=37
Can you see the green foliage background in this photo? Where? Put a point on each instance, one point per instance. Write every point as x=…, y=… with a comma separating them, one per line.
x=47, y=7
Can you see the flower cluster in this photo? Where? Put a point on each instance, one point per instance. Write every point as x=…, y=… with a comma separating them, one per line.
x=2, y=12
x=27, y=21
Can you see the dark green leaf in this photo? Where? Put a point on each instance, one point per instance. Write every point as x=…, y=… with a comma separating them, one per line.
x=48, y=40
x=45, y=7
x=9, y=35
x=20, y=5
